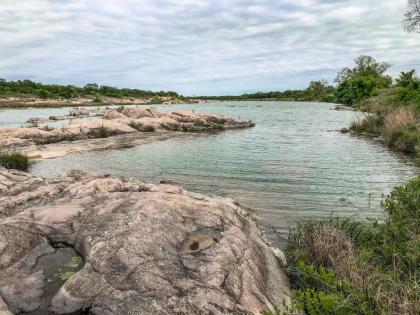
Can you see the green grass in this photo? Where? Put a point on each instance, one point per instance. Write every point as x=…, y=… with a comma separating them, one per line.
x=14, y=160
x=341, y=266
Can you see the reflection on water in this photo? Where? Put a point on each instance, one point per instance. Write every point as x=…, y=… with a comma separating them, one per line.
x=293, y=164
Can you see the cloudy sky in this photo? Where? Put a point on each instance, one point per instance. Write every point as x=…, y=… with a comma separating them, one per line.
x=199, y=47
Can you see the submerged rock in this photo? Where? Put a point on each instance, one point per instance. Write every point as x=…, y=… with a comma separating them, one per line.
x=147, y=249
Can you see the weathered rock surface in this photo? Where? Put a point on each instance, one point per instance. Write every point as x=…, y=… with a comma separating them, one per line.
x=41, y=142
x=148, y=249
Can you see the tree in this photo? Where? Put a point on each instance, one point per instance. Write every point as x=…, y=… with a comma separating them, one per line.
x=365, y=66
x=408, y=79
x=412, y=17
x=318, y=89
x=43, y=94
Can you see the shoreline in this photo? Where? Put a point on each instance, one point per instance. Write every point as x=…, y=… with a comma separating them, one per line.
x=34, y=102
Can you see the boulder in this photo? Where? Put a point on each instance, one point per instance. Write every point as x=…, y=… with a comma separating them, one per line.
x=148, y=249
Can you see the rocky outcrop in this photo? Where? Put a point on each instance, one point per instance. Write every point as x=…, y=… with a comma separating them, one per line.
x=148, y=249
x=126, y=121
x=130, y=124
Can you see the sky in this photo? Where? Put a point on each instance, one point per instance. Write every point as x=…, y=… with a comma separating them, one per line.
x=199, y=47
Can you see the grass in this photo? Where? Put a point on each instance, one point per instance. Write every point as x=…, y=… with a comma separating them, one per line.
x=396, y=121
x=103, y=132
x=369, y=123
x=14, y=160
x=340, y=266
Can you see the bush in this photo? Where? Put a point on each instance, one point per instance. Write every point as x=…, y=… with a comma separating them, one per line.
x=147, y=128
x=156, y=100
x=103, y=132
x=14, y=160
x=97, y=98
x=340, y=266
x=355, y=89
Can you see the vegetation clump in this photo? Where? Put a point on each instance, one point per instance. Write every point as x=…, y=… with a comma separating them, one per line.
x=14, y=160
x=103, y=132
x=340, y=266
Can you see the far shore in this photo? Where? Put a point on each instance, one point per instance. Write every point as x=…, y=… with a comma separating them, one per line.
x=35, y=102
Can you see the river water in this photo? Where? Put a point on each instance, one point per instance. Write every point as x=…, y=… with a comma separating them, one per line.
x=294, y=164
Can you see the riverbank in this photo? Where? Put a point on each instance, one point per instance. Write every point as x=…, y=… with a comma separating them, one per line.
x=395, y=122
x=36, y=102
x=343, y=266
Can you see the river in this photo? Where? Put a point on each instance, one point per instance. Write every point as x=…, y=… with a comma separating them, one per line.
x=294, y=164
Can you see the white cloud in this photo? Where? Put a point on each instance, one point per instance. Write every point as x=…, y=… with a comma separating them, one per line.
x=199, y=47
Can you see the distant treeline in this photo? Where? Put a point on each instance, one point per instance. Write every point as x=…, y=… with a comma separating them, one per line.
x=288, y=95
x=55, y=91
x=352, y=85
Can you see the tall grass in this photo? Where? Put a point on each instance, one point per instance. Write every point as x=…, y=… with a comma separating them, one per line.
x=14, y=160
x=369, y=123
x=399, y=128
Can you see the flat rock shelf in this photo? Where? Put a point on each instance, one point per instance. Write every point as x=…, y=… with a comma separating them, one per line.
x=144, y=249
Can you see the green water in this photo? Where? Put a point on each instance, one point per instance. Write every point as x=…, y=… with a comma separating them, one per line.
x=293, y=164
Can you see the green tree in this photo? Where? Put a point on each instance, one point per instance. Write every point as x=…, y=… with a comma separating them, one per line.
x=317, y=90
x=364, y=66
x=43, y=94
x=412, y=17
x=408, y=79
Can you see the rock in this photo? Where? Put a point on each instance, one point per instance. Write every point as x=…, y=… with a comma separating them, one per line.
x=148, y=249
x=85, y=127
x=55, y=118
x=344, y=130
x=113, y=114
x=75, y=112
x=4, y=309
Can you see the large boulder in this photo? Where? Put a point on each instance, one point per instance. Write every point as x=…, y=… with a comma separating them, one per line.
x=148, y=249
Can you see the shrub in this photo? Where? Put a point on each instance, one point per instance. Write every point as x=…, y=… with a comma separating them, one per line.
x=97, y=98
x=355, y=89
x=14, y=160
x=156, y=100
x=340, y=266
x=103, y=132
x=147, y=128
